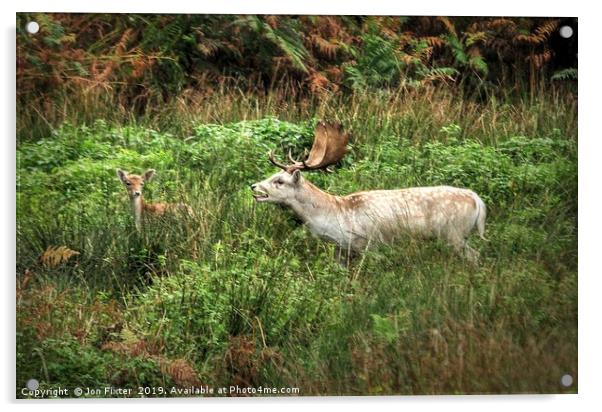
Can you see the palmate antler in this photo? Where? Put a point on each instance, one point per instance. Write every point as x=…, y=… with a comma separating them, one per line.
x=329, y=146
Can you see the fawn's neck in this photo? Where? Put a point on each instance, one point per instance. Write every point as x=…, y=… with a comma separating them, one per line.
x=138, y=206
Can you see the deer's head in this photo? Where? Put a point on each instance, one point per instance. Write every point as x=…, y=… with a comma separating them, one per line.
x=134, y=183
x=329, y=146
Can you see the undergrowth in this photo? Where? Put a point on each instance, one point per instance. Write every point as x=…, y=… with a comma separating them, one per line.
x=241, y=294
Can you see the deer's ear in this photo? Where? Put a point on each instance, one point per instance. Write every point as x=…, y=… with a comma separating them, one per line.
x=296, y=176
x=148, y=175
x=121, y=175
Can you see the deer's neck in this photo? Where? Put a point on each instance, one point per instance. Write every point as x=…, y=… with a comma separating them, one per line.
x=138, y=207
x=312, y=203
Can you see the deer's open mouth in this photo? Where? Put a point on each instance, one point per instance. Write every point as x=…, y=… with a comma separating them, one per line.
x=260, y=196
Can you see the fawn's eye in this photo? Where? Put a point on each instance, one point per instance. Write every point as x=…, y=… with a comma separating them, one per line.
x=128, y=183
x=279, y=182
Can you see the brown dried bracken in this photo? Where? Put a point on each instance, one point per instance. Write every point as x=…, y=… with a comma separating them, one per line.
x=55, y=255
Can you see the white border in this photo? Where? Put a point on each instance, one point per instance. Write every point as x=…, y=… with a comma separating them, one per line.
x=337, y=7
x=589, y=188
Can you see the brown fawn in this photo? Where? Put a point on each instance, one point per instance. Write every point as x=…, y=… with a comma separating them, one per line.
x=134, y=184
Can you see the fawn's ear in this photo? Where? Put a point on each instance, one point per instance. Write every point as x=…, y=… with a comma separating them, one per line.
x=148, y=175
x=121, y=175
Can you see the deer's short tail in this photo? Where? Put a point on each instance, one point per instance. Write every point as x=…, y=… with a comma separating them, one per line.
x=481, y=217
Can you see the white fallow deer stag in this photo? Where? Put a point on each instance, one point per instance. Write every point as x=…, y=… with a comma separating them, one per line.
x=142, y=210
x=356, y=221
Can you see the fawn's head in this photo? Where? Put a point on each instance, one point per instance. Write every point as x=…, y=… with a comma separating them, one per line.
x=134, y=183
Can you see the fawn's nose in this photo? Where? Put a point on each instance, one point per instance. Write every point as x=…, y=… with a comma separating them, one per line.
x=137, y=193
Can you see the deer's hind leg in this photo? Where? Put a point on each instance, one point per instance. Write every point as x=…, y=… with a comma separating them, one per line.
x=344, y=255
x=470, y=253
x=462, y=247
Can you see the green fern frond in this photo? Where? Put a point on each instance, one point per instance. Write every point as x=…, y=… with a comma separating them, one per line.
x=479, y=64
x=457, y=49
x=565, y=74
x=285, y=38
x=290, y=44
x=439, y=73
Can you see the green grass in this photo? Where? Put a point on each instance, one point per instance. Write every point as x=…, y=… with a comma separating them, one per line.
x=246, y=296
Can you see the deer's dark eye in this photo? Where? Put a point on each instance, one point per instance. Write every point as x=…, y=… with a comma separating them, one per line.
x=128, y=183
x=279, y=182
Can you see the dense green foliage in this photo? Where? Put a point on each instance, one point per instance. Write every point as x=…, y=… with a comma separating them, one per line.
x=247, y=296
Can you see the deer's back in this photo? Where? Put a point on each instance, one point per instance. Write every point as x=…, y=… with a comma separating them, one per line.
x=383, y=215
